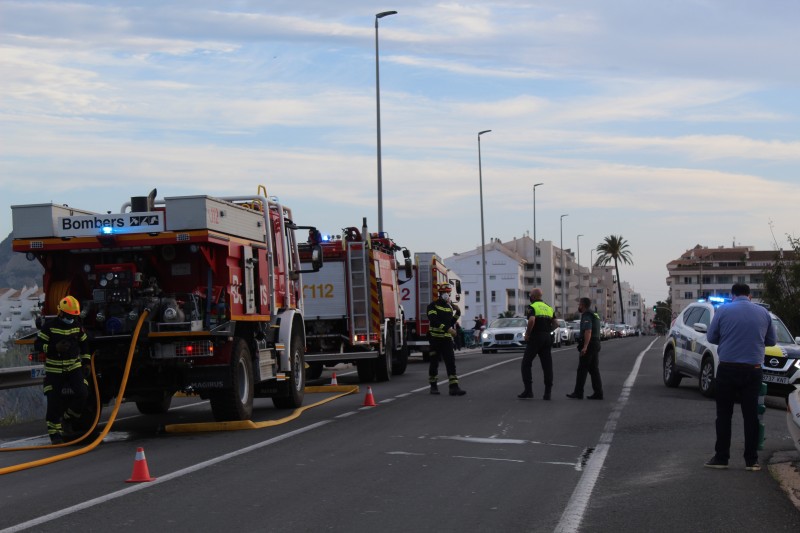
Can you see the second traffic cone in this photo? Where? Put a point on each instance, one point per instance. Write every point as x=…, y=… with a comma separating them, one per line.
x=369, y=399
x=333, y=379
x=140, y=471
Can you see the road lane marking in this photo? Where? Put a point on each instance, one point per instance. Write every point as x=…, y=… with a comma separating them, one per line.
x=162, y=479
x=489, y=459
x=492, y=440
x=576, y=507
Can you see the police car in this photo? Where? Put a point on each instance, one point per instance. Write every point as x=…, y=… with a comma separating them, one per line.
x=687, y=352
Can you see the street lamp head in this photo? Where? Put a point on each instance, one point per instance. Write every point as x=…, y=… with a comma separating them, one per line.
x=537, y=184
x=562, y=216
x=482, y=132
x=385, y=14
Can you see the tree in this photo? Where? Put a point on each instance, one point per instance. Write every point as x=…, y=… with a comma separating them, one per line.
x=614, y=248
x=782, y=286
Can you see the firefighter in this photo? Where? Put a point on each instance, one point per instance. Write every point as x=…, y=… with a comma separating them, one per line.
x=442, y=331
x=65, y=345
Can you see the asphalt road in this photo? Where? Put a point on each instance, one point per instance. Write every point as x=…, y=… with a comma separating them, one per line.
x=482, y=462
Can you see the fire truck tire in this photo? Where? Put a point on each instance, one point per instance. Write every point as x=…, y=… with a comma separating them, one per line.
x=314, y=371
x=155, y=406
x=400, y=362
x=366, y=370
x=292, y=391
x=236, y=403
x=383, y=367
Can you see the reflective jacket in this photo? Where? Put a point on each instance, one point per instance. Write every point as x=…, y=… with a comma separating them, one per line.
x=65, y=345
x=544, y=316
x=442, y=317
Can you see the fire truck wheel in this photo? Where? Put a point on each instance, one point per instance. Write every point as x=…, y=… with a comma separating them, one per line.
x=366, y=370
x=292, y=390
x=155, y=406
x=400, y=362
x=383, y=367
x=314, y=371
x=236, y=403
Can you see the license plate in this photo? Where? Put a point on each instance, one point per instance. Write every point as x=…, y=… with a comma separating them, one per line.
x=782, y=380
x=504, y=342
x=37, y=372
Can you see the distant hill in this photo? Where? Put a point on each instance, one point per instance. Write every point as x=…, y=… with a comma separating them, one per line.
x=15, y=270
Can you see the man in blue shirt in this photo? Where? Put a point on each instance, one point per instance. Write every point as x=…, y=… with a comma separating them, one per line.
x=742, y=330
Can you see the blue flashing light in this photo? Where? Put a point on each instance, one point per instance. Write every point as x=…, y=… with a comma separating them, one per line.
x=326, y=238
x=716, y=301
x=106, y=230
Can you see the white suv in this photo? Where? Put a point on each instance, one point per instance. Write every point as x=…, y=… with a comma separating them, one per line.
x=687, y=353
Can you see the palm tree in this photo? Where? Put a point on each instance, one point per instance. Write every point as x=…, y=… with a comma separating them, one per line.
x=615, y=248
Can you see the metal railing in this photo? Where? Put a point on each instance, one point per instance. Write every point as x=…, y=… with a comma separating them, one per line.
x=21, y=376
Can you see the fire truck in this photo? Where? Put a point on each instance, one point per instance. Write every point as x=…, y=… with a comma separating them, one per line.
x=353, y=309
x=207, y=290
x=429, y=271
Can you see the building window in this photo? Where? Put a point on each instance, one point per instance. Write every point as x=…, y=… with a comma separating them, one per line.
x=466, y=293
x=740, y=279
x=687, y=280
x=756, y=278
x=494, y=296
x=477, y=297
x=724, y=278
x=688, y=295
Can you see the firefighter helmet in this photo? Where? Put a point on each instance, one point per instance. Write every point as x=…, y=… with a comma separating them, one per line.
x=444, y=287
x=69, y=305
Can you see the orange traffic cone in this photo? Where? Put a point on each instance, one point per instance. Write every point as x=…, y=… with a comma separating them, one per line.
x=333, y=379
x=369, y=399
x=140, y=470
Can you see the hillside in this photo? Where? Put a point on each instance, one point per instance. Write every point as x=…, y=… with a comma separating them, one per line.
x=15, y=270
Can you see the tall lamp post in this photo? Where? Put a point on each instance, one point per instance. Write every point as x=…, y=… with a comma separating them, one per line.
x=563, y=270
x=378, y=105
x=580, y=276
x=534, y=232
x=483, y=239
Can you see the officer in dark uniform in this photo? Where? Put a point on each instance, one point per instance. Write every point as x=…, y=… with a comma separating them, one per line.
x=589, y=348
x=442, y=319
x=67, y=362
x=541, y=321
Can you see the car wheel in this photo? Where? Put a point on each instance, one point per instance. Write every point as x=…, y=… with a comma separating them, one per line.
x=707, y=377
x=671, y=376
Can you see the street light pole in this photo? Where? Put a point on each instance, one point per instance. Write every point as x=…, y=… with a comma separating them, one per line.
x=563, y=270
x=580, y=276
x=534, y=233
x=378, y=106
x=483, y=239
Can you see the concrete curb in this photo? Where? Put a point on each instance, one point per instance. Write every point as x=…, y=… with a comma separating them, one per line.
x=785, y=469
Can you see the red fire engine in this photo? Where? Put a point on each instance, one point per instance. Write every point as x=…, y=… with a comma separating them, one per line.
x=353, y=311
x=219, y=278
x=429, y=271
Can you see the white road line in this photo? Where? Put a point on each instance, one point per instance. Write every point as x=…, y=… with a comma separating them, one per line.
x=489, y=459
x=162, y=479
x=576, y=507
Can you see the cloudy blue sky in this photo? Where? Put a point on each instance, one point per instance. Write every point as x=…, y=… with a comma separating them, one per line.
x=669, y=123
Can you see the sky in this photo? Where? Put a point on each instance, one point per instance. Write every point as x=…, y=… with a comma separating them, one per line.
x=671, y=124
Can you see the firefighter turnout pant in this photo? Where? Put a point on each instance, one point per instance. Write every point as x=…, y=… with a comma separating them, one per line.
x=58, y=406
x=538, y=345
x=442, y=347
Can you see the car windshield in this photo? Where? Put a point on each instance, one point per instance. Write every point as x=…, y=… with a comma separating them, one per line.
x=509, y=323
x=782, y=334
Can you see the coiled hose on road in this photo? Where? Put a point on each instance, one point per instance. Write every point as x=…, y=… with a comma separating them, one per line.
x=92, y=445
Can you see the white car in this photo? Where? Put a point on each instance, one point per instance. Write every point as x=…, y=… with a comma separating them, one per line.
x=687, y=353
x=504, y=334
x=564, y=334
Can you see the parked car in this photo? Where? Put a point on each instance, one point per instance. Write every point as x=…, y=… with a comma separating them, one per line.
x=565, y=335
x=575, y=326
x=687, y=353
x=504, y=334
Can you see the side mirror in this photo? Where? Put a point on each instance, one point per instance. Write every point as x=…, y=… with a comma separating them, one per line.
x=408, y=267
x=316, y=258
x=700, y=327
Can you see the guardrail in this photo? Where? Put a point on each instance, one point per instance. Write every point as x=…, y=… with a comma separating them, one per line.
x=21, y=376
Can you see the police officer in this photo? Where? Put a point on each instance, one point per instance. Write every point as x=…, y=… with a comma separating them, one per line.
x=541, y=321
x=67, y=362
x=589, y=348
x=442, y=319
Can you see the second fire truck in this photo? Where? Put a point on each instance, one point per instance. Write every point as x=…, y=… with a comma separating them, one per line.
x=353, y=308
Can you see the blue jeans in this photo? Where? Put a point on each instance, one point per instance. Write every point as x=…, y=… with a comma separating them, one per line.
x=743, y=382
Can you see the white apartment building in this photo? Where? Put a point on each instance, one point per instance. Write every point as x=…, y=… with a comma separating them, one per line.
x=702, y=272
x=18, y=311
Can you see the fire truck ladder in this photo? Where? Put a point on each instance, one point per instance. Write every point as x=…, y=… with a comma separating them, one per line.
x=425, y=295
x=359, y=292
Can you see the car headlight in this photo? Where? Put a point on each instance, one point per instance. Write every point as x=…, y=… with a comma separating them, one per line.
x=485, y=335
x=518, y=336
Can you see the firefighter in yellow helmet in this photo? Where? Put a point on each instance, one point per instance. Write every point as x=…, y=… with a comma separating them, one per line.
x=442, y=319
x=65, y=345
